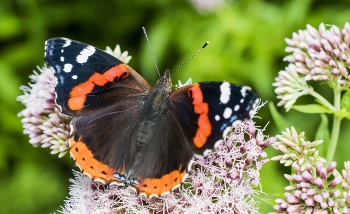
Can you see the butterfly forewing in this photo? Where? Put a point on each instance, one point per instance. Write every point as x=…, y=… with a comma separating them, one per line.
x=208, y=110
x=89, y=79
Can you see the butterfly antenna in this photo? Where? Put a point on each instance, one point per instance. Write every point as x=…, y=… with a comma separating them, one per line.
x=149, y=46
x=205, y=45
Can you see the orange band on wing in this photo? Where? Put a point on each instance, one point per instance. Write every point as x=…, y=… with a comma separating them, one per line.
x=201, y=108
x=157, y=186
x=88, y=164
x=79, y=92
x=196, y=94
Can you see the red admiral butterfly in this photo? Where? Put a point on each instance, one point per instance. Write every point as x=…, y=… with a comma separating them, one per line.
x=123, y=131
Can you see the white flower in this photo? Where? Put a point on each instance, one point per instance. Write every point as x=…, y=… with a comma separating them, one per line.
x=179, y=84
x=118, y=54
x=290, y=86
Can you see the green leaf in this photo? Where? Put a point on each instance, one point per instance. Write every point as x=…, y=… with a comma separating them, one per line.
x=279, y=120
x=322, y=133
x=312, y=108
x=345, y=101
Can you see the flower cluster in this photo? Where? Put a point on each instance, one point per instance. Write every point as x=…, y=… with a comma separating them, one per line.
x=313, y=188
x=295, y=150
x=318, y=55
x=223, y=181
x=42, y=120
x=290, y=86
x=321, y=54
x=238, y=156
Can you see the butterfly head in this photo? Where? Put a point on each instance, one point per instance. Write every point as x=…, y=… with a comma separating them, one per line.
x=164, y=82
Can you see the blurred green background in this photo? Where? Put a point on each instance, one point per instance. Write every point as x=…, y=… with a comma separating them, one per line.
x=246, y=47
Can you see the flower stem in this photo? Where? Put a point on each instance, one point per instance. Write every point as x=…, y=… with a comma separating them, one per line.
x=335, y=127
x=323, y=101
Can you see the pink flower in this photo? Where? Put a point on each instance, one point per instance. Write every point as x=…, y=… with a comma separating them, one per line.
x=43, y=122
x=315, y=55
x=312, y=188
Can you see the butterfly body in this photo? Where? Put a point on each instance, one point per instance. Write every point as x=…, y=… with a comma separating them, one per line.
x=126, y=132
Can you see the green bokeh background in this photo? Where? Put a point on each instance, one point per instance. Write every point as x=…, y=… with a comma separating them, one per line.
x=246, y=47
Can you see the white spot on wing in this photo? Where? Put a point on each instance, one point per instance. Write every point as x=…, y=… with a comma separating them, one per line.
x=45, y=48
x=244, y=90
x=67, y=43
x=224, y=98
x=62, y=59
x=227, y=113
x=75, y=77
x=85, y=54
x=217, y=117
x=225, y=92
x=67, y=68
x=236, y=108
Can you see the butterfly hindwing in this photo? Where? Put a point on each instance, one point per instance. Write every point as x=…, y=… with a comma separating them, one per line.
x=108, y=135
x=158, y=163
x=163, y=163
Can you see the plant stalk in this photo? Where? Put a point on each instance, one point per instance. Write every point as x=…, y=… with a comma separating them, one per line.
x=335, y=127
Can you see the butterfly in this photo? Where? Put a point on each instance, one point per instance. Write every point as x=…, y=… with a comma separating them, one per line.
x=126, y=132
